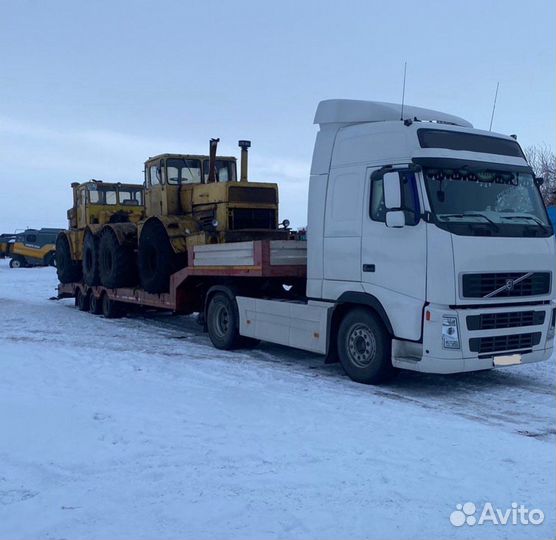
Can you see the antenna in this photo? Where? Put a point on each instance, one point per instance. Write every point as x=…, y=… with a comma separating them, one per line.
x=403, y=89
x=494, y=106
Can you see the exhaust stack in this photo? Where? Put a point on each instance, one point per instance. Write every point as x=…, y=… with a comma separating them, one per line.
x=244, y=145
x=212, y=160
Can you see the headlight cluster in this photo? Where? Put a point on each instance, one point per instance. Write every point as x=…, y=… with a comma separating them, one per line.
x=450, y=333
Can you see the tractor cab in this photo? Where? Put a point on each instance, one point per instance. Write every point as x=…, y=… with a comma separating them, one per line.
x=97, y=203
x=207, y=189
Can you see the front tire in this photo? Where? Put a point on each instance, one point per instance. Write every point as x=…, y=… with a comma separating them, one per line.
x=68, y=270
x=90, y=260
x=17, y=262
x=364, y=347
x=117, y=266
x=156, y=258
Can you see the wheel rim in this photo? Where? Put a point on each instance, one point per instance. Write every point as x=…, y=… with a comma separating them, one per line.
x=16, y=264
x=221, y=321
x=361, y=345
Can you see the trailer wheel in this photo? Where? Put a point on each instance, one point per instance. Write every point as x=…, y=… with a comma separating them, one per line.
x=117, y=266
x=95, y=305
x=90, y=260
x=110, y=308
x=68, y=270
x=364, y=347
x=156, y=258
x=82, y=300
x=223, y=322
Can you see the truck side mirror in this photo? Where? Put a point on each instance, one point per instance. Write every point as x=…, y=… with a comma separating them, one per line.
x=393, y=200
x=392, y=190
x=395, y=218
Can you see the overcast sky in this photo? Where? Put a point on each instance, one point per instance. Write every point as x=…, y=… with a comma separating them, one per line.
x=90, y=89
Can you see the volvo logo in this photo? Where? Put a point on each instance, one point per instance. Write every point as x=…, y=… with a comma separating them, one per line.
x=509, y=286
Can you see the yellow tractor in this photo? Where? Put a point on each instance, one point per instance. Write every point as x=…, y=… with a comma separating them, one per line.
x=102, y=212
x=197, y=199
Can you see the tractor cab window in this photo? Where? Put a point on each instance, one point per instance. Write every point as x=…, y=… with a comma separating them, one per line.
x=154, y=175
x=30, y=238
x=225, y=170
x=183, y=171
x=131, y=197
x=103, y=196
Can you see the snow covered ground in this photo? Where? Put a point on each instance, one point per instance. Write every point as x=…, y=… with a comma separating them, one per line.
x=138, y=428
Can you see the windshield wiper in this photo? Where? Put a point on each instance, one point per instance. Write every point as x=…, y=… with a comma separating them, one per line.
x=532, y=218
x=475, y=214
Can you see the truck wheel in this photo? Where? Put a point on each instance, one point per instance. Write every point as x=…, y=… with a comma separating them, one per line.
x=117, y=266
x=110, y=308
x=95, y=305
x=364, y=347
x=156, y=258
x=82, y=300
x=90, y=260
x=50, y=259
x=223, y=322
x=68, y=270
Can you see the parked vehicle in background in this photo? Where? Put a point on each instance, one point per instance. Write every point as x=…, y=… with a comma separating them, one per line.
x=32, y=247
x=552, y=216
x=428, y=248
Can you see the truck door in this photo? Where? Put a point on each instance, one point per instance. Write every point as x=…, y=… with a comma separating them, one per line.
x=393, y=258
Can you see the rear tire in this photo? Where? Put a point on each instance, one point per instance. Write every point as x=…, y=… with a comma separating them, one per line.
x=364, y=347
x=223, y=322
x=157, y=261
x=82, y=300
x=67, y=269
x=90, y=260
x=117, y=267
x=95, y=305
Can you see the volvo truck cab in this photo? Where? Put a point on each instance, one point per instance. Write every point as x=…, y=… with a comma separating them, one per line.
x=428, y=248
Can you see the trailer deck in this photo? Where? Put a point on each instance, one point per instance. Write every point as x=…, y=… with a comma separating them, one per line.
x=272, y=259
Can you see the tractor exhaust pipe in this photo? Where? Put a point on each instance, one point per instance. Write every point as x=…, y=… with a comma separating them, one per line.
x=74, y=186
x=244, y=145
x=212, y=160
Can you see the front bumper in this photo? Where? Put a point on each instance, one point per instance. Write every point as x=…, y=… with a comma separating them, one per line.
x=430, y=357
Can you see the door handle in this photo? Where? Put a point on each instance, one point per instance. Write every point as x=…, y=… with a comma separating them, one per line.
x=368, y=268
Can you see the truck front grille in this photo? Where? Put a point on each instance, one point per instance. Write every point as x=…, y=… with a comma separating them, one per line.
x=492, y=321
x=252, y=218
x=493, y=344
x=511, y=284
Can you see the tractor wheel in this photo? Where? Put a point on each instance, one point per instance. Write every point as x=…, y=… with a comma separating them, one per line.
x=50, y=259
x=117, y=267
x=90, y=260
x=157, y=260
x=68, y=270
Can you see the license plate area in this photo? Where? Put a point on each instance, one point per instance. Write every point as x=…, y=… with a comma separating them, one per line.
x=507, y=360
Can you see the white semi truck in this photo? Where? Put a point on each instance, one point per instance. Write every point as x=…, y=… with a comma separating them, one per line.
x=428, y=248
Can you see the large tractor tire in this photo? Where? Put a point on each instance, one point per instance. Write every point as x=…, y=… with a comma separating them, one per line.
x=67, y=269
x=157, y=261
x=18, y=262
x=117, y=265
x=90, y=260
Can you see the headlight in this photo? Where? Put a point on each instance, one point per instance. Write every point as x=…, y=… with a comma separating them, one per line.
x=450, y=334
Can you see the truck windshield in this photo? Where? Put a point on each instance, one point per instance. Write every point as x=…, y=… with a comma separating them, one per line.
x=183, y=171
x=486, y=201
